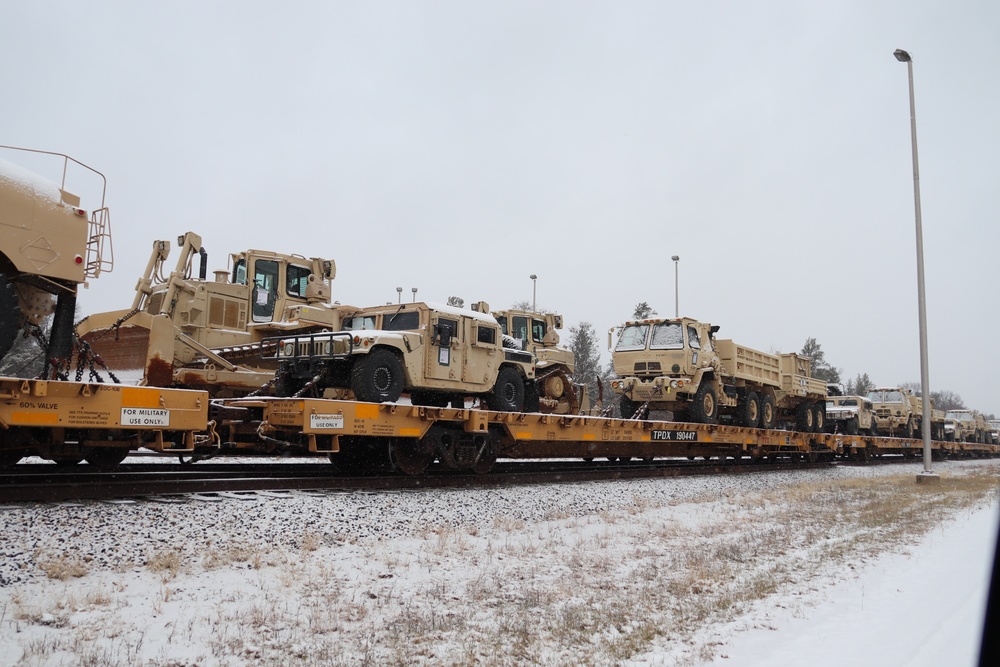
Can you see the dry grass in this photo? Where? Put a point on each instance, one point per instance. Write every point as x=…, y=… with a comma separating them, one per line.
x=61, y=566
x=584, y=590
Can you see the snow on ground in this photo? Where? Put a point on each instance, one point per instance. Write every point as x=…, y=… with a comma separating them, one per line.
x=739, y=569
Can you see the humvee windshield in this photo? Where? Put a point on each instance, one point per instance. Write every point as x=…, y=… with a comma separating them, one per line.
x=633, y=337
x=359, y=323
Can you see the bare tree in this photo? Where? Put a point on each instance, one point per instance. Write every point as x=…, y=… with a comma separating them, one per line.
x=821, y=370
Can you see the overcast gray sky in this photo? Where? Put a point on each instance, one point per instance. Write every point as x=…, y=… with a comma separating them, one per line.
x=459, y=147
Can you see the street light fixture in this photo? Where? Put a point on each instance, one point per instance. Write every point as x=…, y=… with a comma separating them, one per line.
x=904, y=57
x=399, y=295
x=677, y=306
x=534, y=284
x=414, y=290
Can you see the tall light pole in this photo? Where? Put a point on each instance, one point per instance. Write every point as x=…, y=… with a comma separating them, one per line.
x=904, y=57
x=414, y=290
x=399, y=295
x=677, y=305
x=534, y=284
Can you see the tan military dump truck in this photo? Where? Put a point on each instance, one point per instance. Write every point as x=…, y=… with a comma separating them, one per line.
x=438, y=354
x=185, y=330
x=554, y=386
x=966, y=426
x=49, y=244
x=900, y=413
x=678, y=365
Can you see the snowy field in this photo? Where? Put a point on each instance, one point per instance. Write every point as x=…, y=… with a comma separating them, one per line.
x=856, y=565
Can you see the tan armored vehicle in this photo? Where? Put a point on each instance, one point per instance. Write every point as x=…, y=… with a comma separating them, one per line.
x=900, y=413
x=966, y=426
x=438, y=354
x=49, y=244
x=994, y=425
x=554, y=386
x=851, y=415
x=677, y=365
x=184, y=330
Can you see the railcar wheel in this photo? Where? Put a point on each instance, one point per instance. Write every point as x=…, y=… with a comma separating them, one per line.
x=705, y=409
x=106, y=457
x=508, y=392
x=10, y=315
x=768, y=414
x=377, y=377
x=411, y=456
x=487, y=454
x=9, y=457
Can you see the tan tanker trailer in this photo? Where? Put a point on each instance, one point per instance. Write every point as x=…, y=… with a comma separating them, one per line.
x=49, y=244
x=678, y=365
x=184, y=330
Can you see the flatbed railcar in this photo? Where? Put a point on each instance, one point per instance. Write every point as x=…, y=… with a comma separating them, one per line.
x=68, y=422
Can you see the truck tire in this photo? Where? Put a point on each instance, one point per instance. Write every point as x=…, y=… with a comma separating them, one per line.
x=805, y=418
x=10, y=315
x=873, y=431
x=768, y=414
x=749, y=410
x=705, y=408
x=819, y=416
x=908, y=430
x=851, y=427
x=377, y=377
x=508, y=392
x=627, y=407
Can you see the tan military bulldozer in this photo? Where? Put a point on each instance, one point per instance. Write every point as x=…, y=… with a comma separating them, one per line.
x=184, y=330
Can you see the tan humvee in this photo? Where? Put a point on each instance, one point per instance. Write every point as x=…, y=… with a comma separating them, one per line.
x=678, y=365
x=900, y=412
x=966, y=426
x=188, y=331
x=851, y=415
x=49, y=244
x=438, y=354
x=537, y=333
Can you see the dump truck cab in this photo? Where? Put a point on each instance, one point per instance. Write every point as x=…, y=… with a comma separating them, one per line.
x=672, y=354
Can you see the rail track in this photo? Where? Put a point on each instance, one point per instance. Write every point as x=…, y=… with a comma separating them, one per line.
x=216, y=481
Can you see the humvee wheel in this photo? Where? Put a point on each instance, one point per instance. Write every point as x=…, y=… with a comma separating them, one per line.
x=851, y=428
x=377, y=377
x=10, y=315
x=508, y=392
x=705, y=409
x=411, y=456
x=767, y=411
